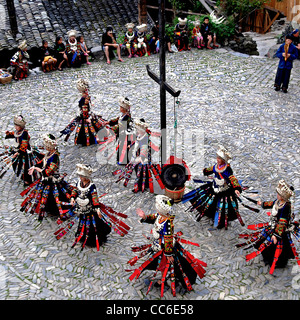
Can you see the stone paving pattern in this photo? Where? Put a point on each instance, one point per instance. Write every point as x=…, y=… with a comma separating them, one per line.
x=227, y=97
x=44, y=20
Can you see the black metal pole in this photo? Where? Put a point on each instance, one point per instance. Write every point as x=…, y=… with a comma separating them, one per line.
x=12, y=17
x=162, y=68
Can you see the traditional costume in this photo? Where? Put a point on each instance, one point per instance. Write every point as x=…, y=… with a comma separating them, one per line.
x=164, y=252
x=217, y=199
x=73, y=49
x=121, y=128
x=281, y=225
x=140, y=161
x=130, y=40
x=182, y=35
x=142, y=42
x=197, y=39
x=95, y=218
x=48, y=193
x=20, y=62
x=87, y=123
x=21, y=156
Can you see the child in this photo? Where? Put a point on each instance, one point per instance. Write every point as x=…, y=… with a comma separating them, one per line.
x=273, y=240
x=286, y=53
x=217, y=199
x=47, y=57
x=84, y=49
x=181, y=33
x=197, y=36
x=165, y=253
x=130, y=41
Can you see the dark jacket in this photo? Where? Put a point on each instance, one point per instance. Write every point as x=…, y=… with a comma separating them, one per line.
x=289, y=63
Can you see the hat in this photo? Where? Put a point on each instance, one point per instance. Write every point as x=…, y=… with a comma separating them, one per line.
x=289, y=36
x=141, y=124
x=295, y=31
x=84, y=170
x=196, y=23
x=124, y=103
x=19, y=121
x=23, y=45
x=129, y=25
x=224, y=154
x=82, y=85
x=163, y=204
x=182, y=22
x=72, y=33
x=284, y=190
x=142, y=27
x=49, y=141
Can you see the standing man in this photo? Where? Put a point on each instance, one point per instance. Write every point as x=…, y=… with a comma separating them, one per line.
x=286, y=53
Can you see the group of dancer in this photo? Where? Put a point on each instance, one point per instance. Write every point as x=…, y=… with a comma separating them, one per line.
x=47, y=192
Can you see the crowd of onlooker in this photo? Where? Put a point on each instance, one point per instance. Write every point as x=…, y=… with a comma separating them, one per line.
x=135, y=43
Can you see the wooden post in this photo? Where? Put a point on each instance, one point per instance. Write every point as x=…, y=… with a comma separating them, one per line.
x=142, y=9
x=12, y=16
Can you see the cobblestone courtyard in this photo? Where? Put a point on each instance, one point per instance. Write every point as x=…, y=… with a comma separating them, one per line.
x=228, y=99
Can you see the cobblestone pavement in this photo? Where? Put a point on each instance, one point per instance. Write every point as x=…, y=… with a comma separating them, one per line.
x=226, y=98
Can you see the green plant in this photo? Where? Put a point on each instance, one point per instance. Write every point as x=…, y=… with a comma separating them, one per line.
x=242, y=7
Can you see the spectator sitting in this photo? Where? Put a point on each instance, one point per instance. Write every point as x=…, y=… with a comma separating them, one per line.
x=47, y=57
x=20, y=62
x=73, y=50
x=109, y=44
x=84, y=49
x=182, y=35
x=207, y=34
x=296, y=40
x=142, y=42
x=130, y=40
x=59, y=53
x=197, y=36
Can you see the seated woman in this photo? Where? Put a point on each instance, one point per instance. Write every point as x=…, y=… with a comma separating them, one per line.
x=59, y=53
x=130, y=40
x=47, y=57
x=182, y=35
x=142, y=42
x=20, y=62
x=84, y=49
x=73, y=50
x=197, y=36
x=109, y=44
